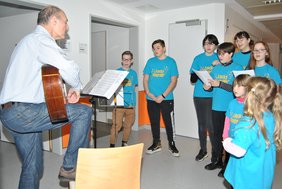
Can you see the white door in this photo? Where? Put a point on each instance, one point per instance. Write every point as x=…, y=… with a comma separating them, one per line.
x=185, y=42
x=98, y=52
x=99, y=64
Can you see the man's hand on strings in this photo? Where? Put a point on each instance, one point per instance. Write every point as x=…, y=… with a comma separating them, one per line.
x=73, y=96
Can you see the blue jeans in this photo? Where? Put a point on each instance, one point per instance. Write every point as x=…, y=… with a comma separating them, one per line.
x=26, y=121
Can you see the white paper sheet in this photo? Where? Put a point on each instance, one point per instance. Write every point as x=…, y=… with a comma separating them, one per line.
x=105, y=84
x=247, y=72
x=204, y=76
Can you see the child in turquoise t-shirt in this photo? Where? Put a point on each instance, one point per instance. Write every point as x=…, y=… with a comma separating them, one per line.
x=234, y=112
x=160, y=78
x=202, y=98
x=244, y=43
x=256, y=138
x=221, y=85
x=125, y=114
x=262, y=64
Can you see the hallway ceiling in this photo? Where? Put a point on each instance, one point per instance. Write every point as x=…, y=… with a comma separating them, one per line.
x=268, y=12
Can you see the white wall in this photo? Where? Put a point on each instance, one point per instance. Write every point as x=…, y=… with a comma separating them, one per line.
x=13, y=29
x=275, y=55
x=157, y=25
x=236, y=22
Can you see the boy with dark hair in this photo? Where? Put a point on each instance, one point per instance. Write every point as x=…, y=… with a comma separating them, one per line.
x=160, y=78
x=221, y=85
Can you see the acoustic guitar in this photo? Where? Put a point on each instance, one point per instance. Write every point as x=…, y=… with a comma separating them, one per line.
x=54, y=92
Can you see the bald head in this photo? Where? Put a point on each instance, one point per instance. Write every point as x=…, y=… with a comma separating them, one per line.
x=54, y=20
x=45, y=14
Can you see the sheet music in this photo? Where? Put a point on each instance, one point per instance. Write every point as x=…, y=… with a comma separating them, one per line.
x=104, y=84
x=204, y=76
x=247, y=72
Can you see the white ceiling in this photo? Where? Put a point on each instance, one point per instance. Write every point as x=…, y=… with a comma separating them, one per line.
x=151, y=6
x=268, y=14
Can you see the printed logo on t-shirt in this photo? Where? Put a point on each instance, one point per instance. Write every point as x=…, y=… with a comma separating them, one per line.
x=222, y=78
x=235, y=118
x=127, y=82
x=207, y=68
x=160, y=72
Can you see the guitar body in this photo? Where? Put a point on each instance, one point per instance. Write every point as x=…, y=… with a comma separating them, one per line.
x=54, y=94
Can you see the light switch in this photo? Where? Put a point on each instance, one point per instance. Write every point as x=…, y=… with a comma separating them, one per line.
x=83, y=48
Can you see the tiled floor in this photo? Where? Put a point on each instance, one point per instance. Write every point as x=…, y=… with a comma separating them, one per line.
x=159, y=171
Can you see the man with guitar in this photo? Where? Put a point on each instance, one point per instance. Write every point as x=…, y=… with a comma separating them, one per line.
x=23, y=109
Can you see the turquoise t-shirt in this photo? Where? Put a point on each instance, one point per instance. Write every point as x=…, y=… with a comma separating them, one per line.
x=242, y=58
x=202, y=62
x=269, y=72
x=160, y=73
x=221, y=98
x=129, y=83
x=235, y=112
x=255, y=170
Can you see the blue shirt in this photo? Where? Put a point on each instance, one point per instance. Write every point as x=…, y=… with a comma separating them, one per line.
x=221, y=98
x=235, y=112
x=255, y=170
x=160, y=73
x=129, y=84
x=202, y=62
x=242, y=59
x=269, y=72
x=23, y=80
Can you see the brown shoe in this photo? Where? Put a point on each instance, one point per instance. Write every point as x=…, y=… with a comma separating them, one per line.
x=66, y=176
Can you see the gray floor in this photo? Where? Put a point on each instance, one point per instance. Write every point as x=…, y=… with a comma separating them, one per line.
x=159, y=171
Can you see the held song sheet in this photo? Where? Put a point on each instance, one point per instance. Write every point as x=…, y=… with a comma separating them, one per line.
x=204, y=76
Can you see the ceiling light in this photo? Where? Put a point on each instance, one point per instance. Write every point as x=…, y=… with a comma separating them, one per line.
x=272, y=2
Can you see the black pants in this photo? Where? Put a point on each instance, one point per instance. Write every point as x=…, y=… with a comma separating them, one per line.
x=218, y=118
x=154, y=110
x=226, y=159
x=204, y=116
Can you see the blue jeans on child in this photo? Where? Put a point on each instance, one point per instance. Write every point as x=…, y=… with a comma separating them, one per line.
x=26, y=121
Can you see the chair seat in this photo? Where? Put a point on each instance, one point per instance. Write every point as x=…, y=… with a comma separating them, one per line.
x=108, y=168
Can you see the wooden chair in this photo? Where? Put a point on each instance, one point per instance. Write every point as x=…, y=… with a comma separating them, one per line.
x=108, y=168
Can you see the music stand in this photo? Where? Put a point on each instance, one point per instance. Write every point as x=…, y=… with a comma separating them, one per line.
x=102, y=85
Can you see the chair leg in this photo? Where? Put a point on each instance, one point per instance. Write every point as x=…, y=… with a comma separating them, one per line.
x=71, y=184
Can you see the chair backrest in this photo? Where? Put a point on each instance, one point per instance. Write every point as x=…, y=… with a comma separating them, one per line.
x=109, y=168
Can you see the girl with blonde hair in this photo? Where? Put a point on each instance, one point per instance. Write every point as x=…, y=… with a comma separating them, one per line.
x=257, y=137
